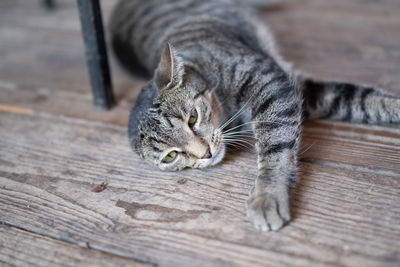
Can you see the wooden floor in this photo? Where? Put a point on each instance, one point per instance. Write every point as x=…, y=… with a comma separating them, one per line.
x=55, y=148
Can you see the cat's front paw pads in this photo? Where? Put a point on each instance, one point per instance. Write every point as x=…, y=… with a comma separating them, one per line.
x=267, y=211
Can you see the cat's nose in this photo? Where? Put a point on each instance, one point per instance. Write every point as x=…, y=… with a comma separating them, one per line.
x=208, y=154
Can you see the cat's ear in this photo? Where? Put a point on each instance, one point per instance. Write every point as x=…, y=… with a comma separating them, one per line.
x=170, y=70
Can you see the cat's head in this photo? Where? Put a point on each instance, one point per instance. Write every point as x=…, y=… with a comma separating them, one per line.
x=175, y=122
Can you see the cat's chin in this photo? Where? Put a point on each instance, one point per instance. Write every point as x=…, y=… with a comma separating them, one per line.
x=218, y=155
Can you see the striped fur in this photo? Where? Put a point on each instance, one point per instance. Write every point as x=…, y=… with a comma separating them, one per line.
x=214, y=60
x=349, y=102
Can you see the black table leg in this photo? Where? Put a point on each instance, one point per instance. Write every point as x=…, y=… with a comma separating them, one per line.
x=48, y=4
x=96, y=52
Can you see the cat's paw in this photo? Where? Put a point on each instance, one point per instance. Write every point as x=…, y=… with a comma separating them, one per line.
x=268, y=211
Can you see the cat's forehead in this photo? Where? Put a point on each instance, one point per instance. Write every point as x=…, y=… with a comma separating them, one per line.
x=172, y=97
x=174, y=104
x=166, y=121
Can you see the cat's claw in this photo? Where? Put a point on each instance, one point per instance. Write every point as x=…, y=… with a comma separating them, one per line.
x=268, y=212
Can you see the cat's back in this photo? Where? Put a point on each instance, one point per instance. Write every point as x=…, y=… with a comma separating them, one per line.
x=140, y=28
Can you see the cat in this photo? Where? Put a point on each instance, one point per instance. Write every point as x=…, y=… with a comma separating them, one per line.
x=216, y=77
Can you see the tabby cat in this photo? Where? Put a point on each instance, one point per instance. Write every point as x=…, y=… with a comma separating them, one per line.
x=216, y=77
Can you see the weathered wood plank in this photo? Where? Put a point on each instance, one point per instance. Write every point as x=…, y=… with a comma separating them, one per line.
x=342, y=215
x=22, y=248
x=354, y=40
x=350, y=146
x=46, y=71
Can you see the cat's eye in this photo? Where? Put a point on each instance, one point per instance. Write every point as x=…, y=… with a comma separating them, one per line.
x=170, y=157
x=193, y=118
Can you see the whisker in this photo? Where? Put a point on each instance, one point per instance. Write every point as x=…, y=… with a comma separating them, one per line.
x=237, y=114
x=248, y=133
x=240, y=147
x=237, y=140
x=308, y=148
x=240, y=135
x=235, y=146
x=250, y=122
x=242, y=131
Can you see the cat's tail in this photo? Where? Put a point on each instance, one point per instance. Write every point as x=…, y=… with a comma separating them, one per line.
x=349, y=102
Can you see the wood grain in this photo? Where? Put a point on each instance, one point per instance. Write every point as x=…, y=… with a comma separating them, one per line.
x=343, y=215
x=22, y=248
x=43, y=64
x=354, y=41
x=346, y=206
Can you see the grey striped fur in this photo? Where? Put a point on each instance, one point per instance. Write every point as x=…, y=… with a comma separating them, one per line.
x=216, y=58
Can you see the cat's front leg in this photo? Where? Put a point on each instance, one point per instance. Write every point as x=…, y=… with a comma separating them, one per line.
x=268, y=205
x=277, y=131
